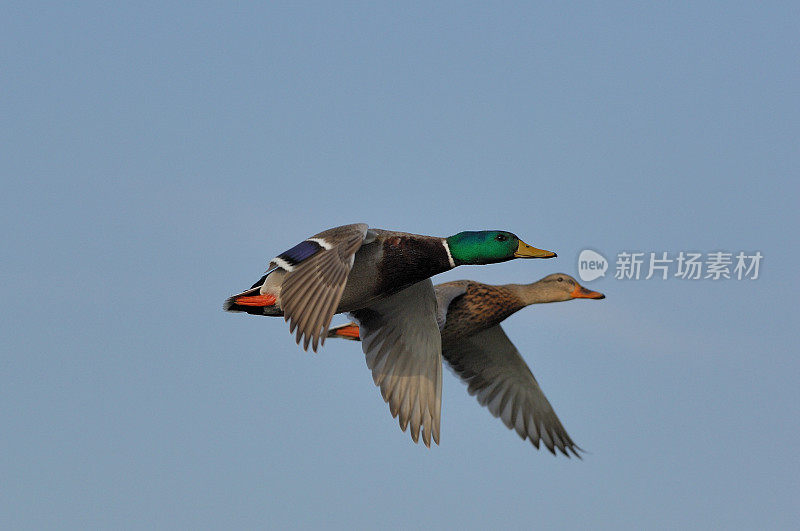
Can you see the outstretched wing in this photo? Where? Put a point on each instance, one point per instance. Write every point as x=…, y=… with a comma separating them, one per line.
x=316, y=273
x=401, y=341
x=494, y=370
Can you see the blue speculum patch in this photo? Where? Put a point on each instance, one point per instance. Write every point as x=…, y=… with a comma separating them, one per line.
x=300, y=252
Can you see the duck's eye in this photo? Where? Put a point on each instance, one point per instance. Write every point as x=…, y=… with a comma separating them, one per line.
x=501, y=237
x=561, y=279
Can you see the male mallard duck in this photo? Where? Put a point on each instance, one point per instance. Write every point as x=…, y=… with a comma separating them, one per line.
x=478, y=350
x=382, y=279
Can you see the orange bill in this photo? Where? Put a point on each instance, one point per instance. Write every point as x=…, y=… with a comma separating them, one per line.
x=582, y=293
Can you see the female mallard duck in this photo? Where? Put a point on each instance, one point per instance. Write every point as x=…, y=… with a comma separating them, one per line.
x=478, y=350
x=382, y=279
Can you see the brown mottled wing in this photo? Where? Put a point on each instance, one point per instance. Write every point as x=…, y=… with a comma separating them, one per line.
x=311, y=290
x=401, y=341
x=494, y=370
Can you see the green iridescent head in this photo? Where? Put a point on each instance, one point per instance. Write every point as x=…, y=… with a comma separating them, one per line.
x=490, y=247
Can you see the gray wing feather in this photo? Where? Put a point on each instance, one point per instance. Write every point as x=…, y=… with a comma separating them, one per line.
x=401, y=341
x=496, y=373
x=311, y=292
x=445, y=293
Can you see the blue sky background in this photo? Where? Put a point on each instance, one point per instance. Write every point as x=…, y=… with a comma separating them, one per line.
x=154, y=158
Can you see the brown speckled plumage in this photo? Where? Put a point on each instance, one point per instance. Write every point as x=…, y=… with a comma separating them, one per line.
x=481, y=307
